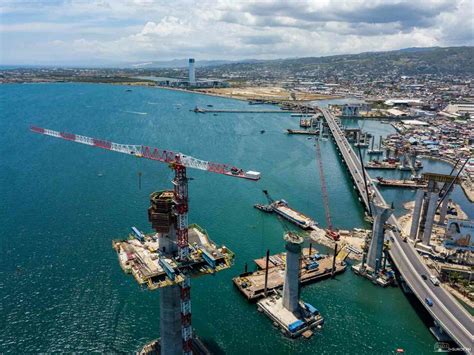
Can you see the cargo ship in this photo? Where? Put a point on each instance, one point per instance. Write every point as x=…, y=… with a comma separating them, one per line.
x=281, y=207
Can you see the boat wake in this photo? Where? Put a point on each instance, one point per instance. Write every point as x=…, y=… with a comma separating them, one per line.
x=136, y=112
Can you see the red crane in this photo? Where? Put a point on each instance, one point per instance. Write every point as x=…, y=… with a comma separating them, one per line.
x=334, y=235
x=179, y=163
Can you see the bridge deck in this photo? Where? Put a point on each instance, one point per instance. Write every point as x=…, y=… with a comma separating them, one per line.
x=448, y=313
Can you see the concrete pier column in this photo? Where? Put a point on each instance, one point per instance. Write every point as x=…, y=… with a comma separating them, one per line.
x=430, y=218
x=374, y=255
x=171, y=341
x=291, y=289
x=444, y=209
x=420, y=194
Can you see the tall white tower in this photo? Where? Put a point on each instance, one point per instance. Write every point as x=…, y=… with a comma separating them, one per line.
x=192, y=76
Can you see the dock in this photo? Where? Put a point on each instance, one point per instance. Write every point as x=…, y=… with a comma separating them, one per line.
x=205, y=110
x=314, y=267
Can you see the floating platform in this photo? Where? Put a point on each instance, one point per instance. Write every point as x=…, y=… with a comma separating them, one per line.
x=140, y=256
x=281, y=207
x=383, y=279
x=291, y=324
x=314, y=267
x=303, y=131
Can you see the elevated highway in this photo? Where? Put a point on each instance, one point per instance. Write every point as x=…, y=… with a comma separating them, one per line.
x=446, y=311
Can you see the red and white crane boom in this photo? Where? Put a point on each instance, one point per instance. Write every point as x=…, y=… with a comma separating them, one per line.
x=143, y=151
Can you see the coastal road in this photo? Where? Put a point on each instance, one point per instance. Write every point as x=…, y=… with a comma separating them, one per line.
x=447, y=312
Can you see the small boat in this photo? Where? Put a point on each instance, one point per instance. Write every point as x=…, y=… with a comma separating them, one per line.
x=128, y=90
x=210, y=105
x=262, y=131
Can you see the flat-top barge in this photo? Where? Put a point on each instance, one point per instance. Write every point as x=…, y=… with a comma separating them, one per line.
x=281, y=207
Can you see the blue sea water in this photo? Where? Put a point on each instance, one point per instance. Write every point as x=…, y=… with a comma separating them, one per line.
x=61, y=288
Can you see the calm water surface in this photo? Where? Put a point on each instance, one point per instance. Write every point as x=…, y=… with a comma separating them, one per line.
x=61, y=287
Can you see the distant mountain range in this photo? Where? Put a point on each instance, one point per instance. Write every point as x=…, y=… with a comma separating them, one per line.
x=408, y=61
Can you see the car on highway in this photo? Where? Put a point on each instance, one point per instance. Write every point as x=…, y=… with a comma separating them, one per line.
x=434, y=280
x=429, y=301
x=424, y=277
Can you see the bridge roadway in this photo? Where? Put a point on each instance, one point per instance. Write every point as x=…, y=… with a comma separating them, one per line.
x=447, y=312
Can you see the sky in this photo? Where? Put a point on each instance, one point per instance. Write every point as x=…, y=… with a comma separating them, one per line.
x=133, y=31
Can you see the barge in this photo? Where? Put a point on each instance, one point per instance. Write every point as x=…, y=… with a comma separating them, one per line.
x=281, y=207
x=303, y=131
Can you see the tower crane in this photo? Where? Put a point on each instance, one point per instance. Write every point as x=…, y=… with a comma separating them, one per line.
x=179, y=163
x=334, y=235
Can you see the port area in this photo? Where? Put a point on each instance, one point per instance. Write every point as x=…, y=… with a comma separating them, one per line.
x=405, y=183
x=292, y=324
x=383, y=278
x=313, y=267
x=140, y=256
x=197, y=347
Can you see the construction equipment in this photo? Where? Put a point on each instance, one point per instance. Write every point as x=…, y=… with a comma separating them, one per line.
x=330, y=232
x=178, y=206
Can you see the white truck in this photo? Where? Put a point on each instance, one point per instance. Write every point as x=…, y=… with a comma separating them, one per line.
x=434, y=280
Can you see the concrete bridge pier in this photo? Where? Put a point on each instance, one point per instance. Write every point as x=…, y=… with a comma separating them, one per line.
x=430, y=214
x=291, y=287
x=444, y=209
x=381, y=213
x=415, y=222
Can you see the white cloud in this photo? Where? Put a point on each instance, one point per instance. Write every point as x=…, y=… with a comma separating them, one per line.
x=136, y=30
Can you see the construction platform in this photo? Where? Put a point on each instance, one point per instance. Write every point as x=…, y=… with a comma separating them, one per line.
x=384, y=278
x=140, y=256
x=153, y=347
x=314, y=267
x=292, y=324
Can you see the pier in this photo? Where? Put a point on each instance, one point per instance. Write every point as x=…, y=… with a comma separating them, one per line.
x=205, y=110
x=448, y=314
